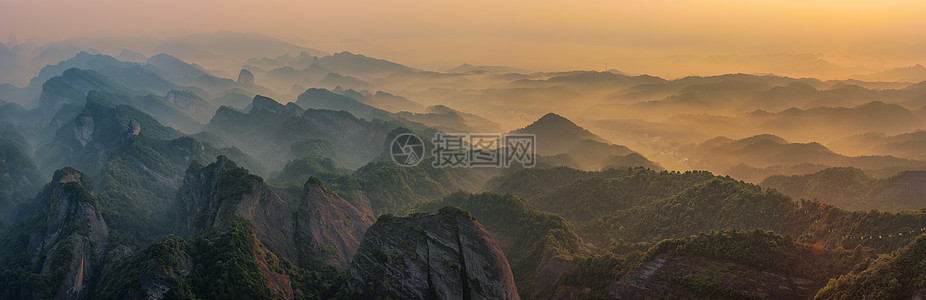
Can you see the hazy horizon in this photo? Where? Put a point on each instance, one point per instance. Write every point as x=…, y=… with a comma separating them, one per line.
x=671, y=39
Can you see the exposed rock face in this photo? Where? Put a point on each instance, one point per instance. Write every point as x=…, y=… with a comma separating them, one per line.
x=546, y=277
x=83, y=129
x=134, y=128
x=434, y=256
x=321, y=224
x=74, y=236
x=207, y=207
x=332, y=226
x=245, y=77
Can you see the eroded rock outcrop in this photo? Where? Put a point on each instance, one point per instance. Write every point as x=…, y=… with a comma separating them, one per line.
x=83, y=129
x=73, y=238
x=317, y=224
x=332, y=227
x=431, y=256
x=245, y=77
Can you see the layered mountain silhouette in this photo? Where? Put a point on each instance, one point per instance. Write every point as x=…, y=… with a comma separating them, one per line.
x=558, y=135
x=851, y=189
x=757, y=157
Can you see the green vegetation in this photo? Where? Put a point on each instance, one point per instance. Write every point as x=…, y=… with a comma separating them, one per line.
x=706, y=257
x=136, y=175
x=315, y=147
x=392, y=188
x=22, y=261
x=299, y=170
x=895, y=276
x=225, y=264
x=526, y=235
x=19, y=177
x=614, y=190
x=620, y=206
x=852, y=189
x=597, y=271
x=167, y=260
x=528, y=183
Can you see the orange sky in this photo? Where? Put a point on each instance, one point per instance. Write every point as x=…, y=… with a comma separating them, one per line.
x=669, y=38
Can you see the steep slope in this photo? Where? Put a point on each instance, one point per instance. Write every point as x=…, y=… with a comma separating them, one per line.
x=136, y=162
x=66, y=239
x=270, y=126
x=224, y=264
x=316, y=224
x=534, y=242
x=424, y=256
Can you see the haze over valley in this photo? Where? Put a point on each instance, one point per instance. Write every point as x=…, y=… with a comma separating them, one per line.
x=715, y=151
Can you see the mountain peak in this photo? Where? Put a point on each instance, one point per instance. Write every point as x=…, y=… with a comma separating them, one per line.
x=556, y=126
x=68, y=174
x=552, y=117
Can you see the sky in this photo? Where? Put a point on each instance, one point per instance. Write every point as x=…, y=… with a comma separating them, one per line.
x=672, y=38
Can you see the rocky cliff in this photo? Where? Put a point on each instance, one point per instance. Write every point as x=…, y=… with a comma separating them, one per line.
x=73, y=238
x=318, y=224
x=332, y=227
x=245, y=77
x=447, y=255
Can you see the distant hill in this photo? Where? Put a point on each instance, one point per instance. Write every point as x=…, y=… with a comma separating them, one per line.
x=324, y=99
x=449, y=120
x=914, y=73
x=269, y=126
x=851, y=189
x=757, y=157
x=63, y=96
x=226, y=47
x=357, y=64
x=471, y=69
x=557, y=135
x=906, y=145
x=590, y=80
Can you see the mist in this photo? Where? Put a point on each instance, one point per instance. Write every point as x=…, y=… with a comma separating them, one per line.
x=762, y=149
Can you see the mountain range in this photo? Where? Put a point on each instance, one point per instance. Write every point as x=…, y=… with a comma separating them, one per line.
x=236, y=165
